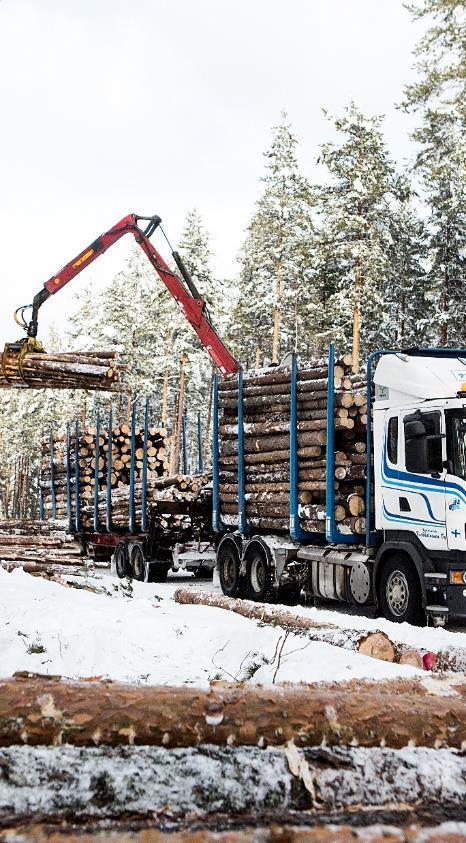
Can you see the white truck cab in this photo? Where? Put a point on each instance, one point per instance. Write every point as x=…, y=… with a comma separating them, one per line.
x=419, y=447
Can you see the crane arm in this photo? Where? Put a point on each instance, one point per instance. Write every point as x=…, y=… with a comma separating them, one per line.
x=190, y=301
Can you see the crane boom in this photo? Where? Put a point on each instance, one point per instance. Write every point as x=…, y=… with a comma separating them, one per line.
x=190, y=301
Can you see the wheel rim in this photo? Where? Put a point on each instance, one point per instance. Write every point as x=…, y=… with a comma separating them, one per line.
x=257, y=574
x=229, y=569
x=397, y=593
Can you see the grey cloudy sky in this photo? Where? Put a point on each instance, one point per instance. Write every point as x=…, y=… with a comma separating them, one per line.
x=156, y=106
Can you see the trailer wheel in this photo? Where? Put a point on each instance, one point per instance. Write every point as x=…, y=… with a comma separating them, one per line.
x=122, y=565
x=258, y=576
x=399, y=591
x=138, y=563
x=229, y=565
x=158, y=572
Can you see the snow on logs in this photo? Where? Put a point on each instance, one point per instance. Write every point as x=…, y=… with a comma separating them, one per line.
x=37, y=546
x=92, y=370
x=266, y=409
x=38, y=710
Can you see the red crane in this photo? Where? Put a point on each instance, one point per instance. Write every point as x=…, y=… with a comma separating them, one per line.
x=186, y=294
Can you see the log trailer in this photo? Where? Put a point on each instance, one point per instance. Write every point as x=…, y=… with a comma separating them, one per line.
x=411, y=562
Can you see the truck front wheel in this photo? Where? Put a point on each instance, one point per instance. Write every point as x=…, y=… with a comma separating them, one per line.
x=399, y=591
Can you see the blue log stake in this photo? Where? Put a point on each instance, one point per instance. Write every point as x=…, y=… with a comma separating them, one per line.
x=76, y=477
x=108, y=513
x=132, y=512
x=296, y=533
x=184, y=444
x=144, y=469
x=332, y=532
x=52, y=478
x=200, y=462
x=68, y=477
x=242, y=522
x=41, y=505
x=215, y=478
x=96, y=474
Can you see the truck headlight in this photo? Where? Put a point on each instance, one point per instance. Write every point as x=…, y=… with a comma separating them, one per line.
x=457, y=577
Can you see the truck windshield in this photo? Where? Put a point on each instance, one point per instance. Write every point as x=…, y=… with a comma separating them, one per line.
x=456, y=441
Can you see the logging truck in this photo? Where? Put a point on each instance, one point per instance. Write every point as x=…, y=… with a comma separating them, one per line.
x=410, y=561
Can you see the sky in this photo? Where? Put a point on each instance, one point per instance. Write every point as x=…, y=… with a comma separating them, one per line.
x=158, y=106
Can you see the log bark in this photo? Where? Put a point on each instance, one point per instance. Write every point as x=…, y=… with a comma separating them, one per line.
x=47, y=711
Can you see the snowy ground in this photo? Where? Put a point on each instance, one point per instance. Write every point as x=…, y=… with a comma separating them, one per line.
x=142, y=635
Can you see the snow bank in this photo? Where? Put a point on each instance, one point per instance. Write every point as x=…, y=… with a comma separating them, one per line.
x=147, y=637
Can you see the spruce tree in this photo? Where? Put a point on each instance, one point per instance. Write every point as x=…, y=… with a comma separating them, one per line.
x=352, y=247
x=273, y=299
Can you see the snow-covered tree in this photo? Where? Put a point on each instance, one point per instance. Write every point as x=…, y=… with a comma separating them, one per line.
x=273, y=301
x=352, y=247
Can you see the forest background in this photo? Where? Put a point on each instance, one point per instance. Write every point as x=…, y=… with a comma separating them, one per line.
x=373, y=255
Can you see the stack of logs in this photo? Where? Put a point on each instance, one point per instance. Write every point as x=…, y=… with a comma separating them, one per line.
x=157, y=464
x=267, y=447
x=93, y=370
x=170, y=502
x=36, y=545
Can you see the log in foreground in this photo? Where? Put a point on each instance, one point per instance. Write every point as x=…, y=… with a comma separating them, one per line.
x=46, y=711
x=75, y=370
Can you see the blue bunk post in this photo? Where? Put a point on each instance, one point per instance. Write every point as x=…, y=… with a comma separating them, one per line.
x=52, y=478
x=184, y=444
x=108, y=514
x=200, y=462
x=132, y=513
x=215, y=479
x=242, y=522
x=41, y=505
x=96, y=474
x=330, y=525
x=144, y=469
x=76, y=477
x=296, y=533
x=68, y=477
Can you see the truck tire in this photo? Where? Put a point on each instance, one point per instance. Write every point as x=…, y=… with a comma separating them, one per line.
x=138, y=563
x=259, y=585
x=229, y=565
x=122, y=566
x=399, y=591
x=158, y=572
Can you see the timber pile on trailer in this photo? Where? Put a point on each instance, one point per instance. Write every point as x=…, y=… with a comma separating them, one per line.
x=293, y=432
x=91, y=448
x=92, y=370
x=170, y=501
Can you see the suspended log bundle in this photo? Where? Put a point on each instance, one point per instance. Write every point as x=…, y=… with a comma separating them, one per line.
x=91, y=370
x=174, y=504
x=266, y=420
x=158, y=443
x=37, y=544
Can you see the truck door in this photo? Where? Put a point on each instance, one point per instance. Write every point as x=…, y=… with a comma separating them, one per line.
x=415, y=498
x=455, y=479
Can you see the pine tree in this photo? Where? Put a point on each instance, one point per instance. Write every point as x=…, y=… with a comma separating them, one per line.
x=273, y=287
x=441, y=59
x=352, y=247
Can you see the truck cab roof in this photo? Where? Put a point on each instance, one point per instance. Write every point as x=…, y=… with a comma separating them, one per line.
x=402, y=376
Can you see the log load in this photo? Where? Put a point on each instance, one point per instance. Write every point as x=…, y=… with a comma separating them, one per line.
x=38, y=710
x=266, y=410
x=90, y=370
x=158, y=444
